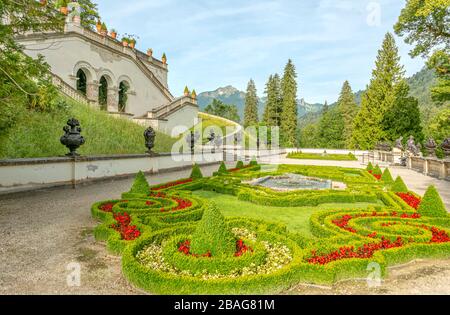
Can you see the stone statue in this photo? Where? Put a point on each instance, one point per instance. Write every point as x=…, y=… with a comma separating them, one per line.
x=149, y=135
x=446, y=147
x=211, y=136
x=237, y=138
x=399, y=144
x=72, y=137
x=431, y=146
x=411, y=146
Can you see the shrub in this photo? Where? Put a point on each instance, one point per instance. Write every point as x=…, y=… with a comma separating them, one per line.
x=140, y=184
x=399, y=186
x=387, y=177
x=196, y=172
x=213, y=235
x=377, y=170
x=431, y=204
x=369, y=167
x=253, y=162
x=222, y=168
x=239, y=164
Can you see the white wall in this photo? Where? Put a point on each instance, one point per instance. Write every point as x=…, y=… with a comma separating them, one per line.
x=41, y=171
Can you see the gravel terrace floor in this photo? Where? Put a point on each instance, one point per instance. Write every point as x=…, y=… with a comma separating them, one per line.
x=43, y=231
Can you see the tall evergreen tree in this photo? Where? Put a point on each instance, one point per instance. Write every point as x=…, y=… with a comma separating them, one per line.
x=331, y=129
x=272, y=110
x=251, y=105
x=348, y=110
x=380, y=96
x=289, y=106
x=89, y=13
x=403, y=118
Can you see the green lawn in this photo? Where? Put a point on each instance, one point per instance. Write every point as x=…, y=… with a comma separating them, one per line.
x=320, y=156
x=295, y=218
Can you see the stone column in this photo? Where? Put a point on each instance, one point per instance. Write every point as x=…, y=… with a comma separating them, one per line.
x=92, y=92
x=425, y=166
x=442, y=171
x=113, y=100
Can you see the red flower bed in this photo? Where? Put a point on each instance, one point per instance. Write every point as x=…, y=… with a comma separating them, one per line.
x=107, y=207
x=439, y=236
x=172, y=184
x=182, y=204
x=128, y=232
x=185, y=248
x=365, y=251
x=410, y=199
x=241, y=248
x=342, y=222
x=148, y=203
x=238, y=169
x=377, y=176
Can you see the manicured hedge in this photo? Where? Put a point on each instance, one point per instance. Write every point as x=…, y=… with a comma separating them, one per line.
x=424, y=233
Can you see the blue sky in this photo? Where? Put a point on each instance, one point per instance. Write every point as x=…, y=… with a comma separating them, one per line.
x=214, y=43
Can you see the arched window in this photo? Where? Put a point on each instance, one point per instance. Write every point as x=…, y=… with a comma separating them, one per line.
x=103, y=93
x=123, y=97
x=81, y=81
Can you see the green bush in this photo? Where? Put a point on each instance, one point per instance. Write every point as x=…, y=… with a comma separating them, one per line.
x=196, y=172
x=399, y=186
x=140, y=184
x=431, y=204
x=213, y=235
x=387, y=177
x=369, y=167
x=239, y=164
x=222, y=168
x=253, y=162
x=377, y=170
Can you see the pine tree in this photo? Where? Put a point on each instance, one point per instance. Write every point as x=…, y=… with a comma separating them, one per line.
x=251, y=105
x=272, y=110
x=348, y=110
x=379, y=97
x=89, y=13
x=288, y=124
x=331, y=129
x=403, y=118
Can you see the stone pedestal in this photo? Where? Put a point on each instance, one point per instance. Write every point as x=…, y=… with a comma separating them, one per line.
x=397, y=156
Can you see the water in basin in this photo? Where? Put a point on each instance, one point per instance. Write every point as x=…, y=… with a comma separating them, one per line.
x=290, y=181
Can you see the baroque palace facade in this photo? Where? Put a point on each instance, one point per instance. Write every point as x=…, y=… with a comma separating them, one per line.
x=98, y=70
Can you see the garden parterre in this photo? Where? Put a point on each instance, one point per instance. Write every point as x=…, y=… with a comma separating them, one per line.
x=175, y=242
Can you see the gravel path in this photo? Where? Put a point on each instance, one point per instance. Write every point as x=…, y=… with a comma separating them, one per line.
x=42, y=232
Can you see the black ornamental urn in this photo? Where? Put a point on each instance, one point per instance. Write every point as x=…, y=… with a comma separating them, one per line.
x=72, y=138
x=149, y=135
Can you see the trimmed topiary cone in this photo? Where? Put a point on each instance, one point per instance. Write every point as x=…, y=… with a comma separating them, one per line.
x=387, y=177
x=377, y=170
x=239, y=164
x=196, y=172
x=213, y=235
x=399, y=186
x=222, y=168
x=140, y=184
x=369, y=167
x=253, y=162
x=431, y=204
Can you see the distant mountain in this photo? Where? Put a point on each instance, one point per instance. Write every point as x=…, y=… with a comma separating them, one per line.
x=231, y=95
